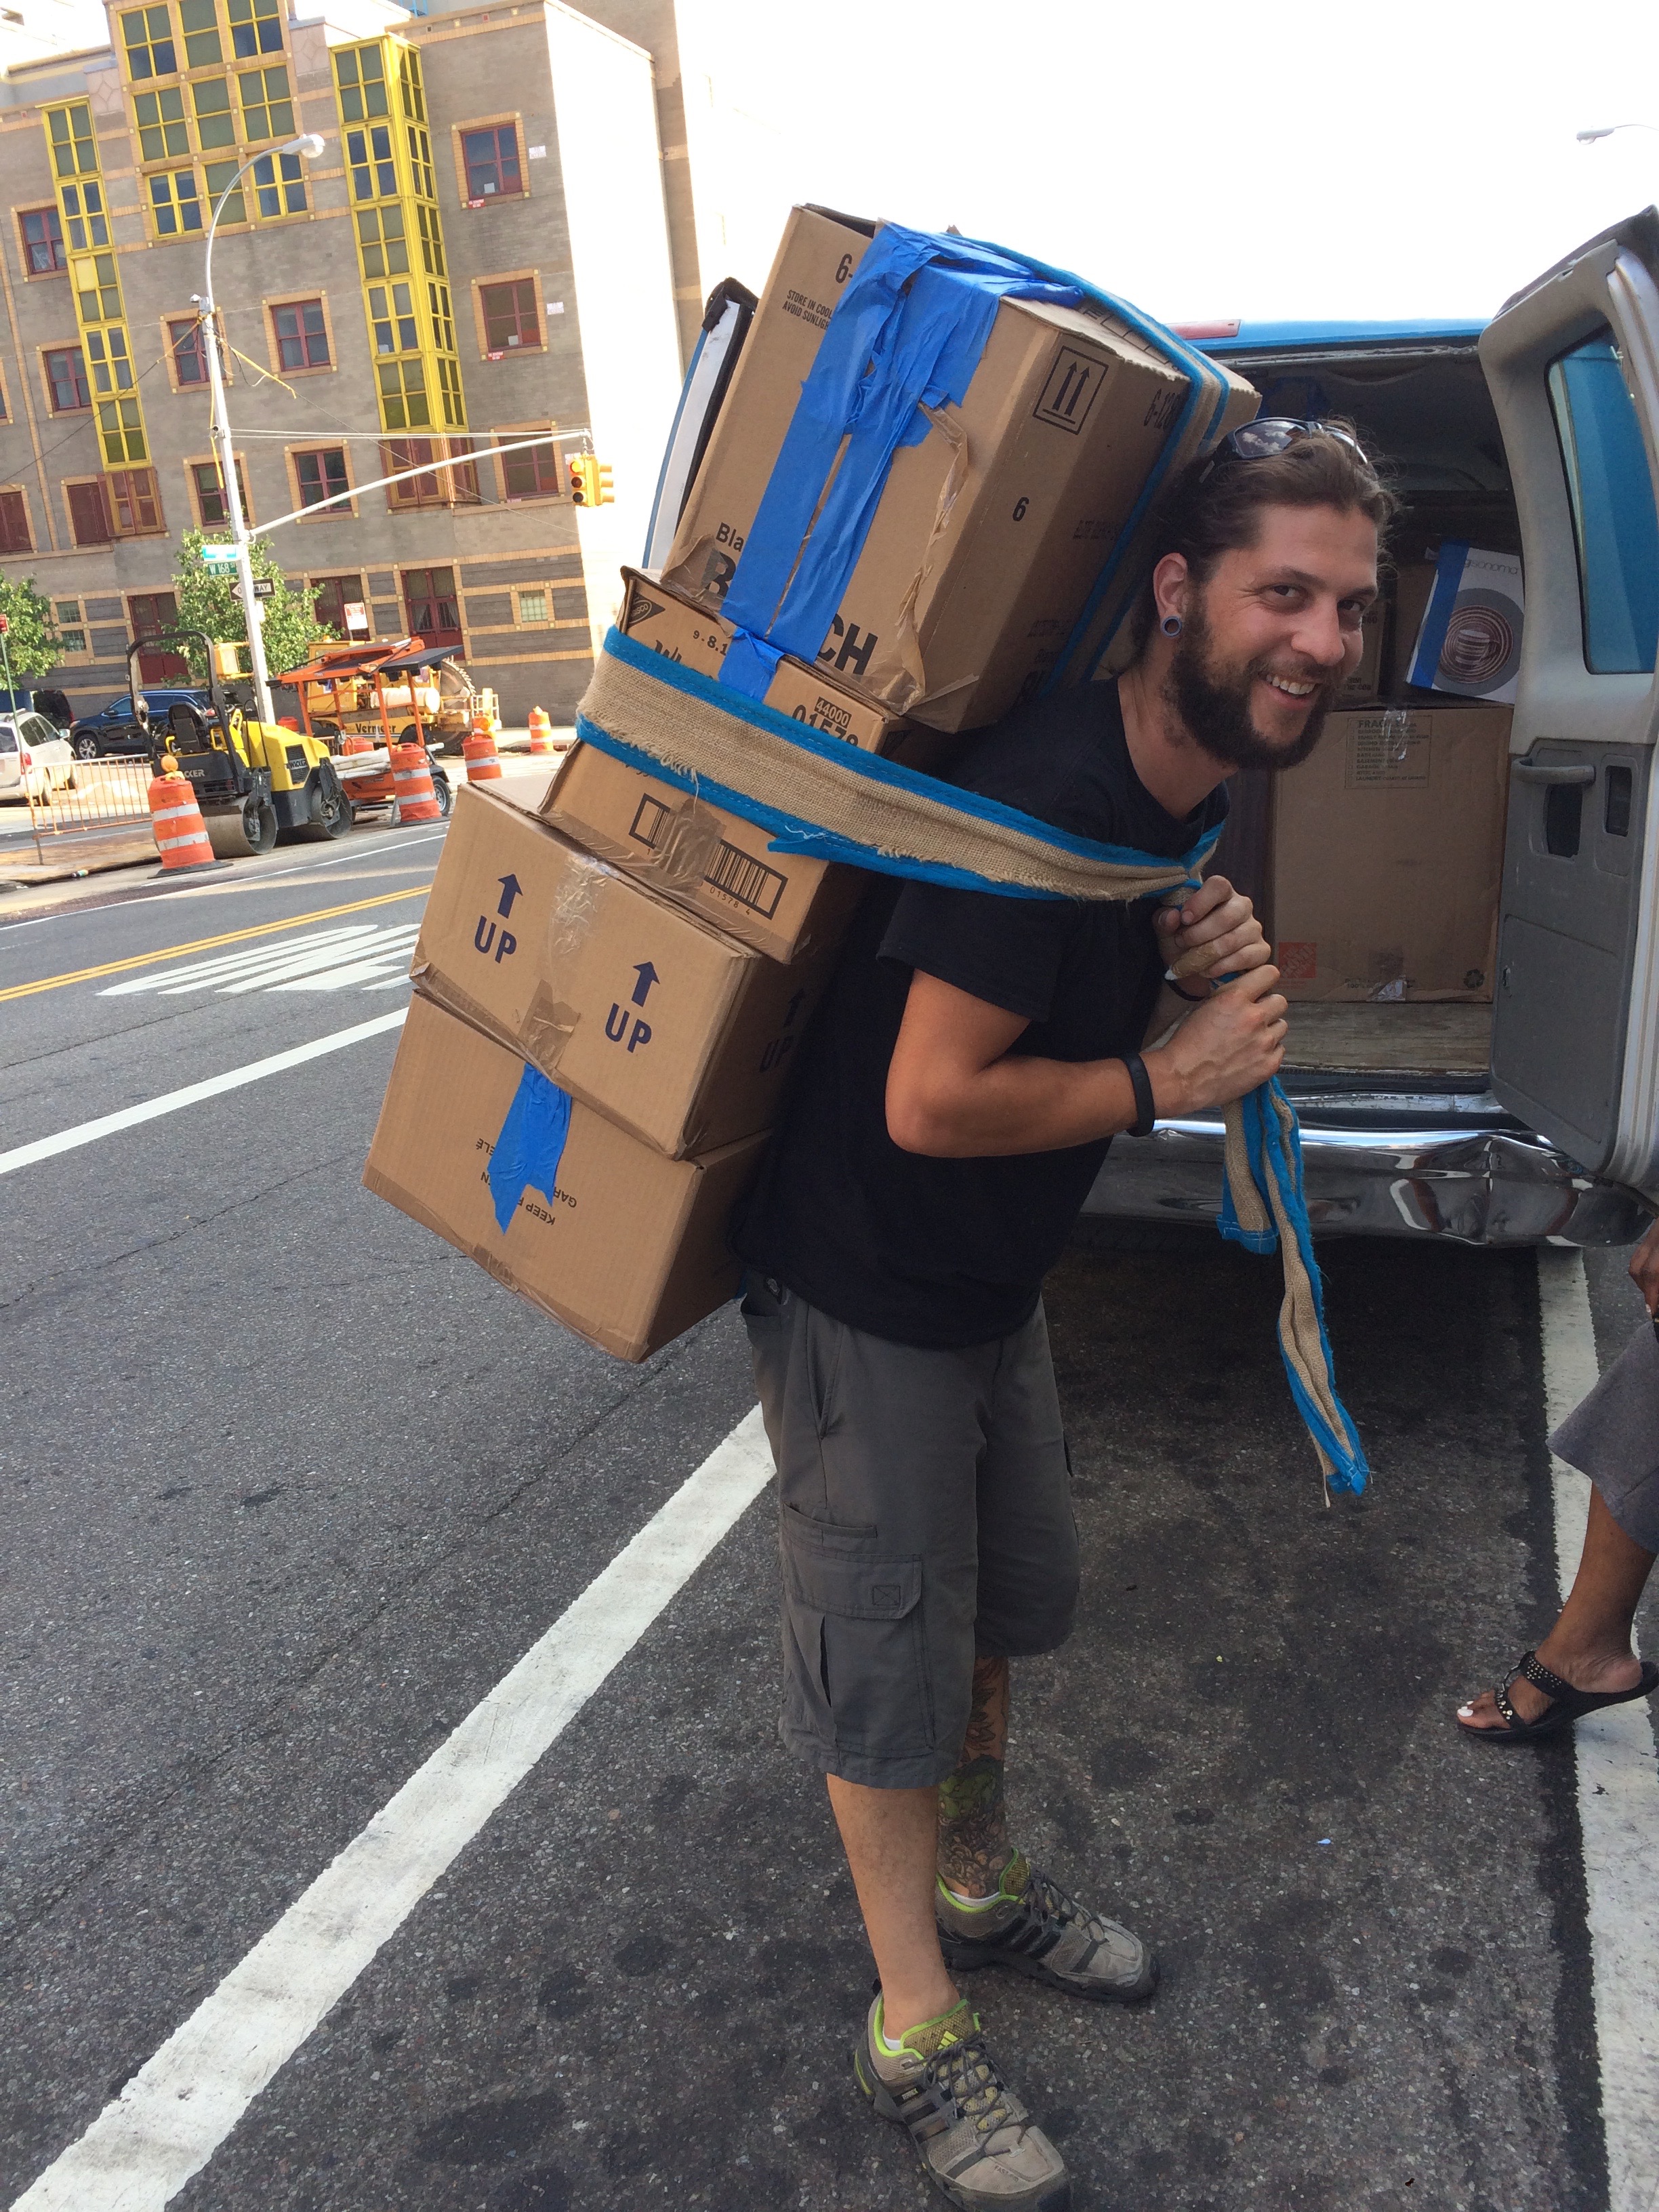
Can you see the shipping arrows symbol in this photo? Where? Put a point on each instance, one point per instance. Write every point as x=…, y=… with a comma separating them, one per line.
x=795, y=1008
x=511, y=889
x=648, y=976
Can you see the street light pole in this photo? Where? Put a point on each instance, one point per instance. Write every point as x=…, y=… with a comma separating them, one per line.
x=309, y=145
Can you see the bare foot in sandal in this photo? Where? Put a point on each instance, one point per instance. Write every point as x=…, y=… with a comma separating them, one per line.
x=1600, y=1674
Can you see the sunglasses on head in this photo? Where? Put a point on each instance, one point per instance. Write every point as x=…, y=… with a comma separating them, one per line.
x=1273, y=434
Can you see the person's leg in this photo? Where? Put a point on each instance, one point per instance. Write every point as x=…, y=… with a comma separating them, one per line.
x=973, y=1814
x=1589, y=1645
x=889, y=1838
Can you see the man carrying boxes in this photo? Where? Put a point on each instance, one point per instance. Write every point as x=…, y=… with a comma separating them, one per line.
x=974, y=1056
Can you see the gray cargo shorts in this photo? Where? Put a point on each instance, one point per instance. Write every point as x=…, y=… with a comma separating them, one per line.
x=924, y=1519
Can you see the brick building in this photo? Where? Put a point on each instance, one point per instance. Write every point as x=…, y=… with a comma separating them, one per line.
x=491, y=245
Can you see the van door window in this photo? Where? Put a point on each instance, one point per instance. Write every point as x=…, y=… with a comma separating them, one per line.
x=1612, y=510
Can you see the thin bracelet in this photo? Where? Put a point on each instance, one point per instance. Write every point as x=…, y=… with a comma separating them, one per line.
x=1193, y=997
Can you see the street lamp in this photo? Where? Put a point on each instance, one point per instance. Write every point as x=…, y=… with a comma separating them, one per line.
x=309, y=145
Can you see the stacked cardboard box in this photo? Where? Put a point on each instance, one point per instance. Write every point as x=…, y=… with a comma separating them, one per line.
x=629, y=1055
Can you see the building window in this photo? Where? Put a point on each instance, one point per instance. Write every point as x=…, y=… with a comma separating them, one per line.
x=222, y=182
x=332, y=595
x=66, y=379
x=136, y=498
x=73, y=640
x=162, y=131
x=532, y=474
x=74, y=148
x=403, y=402
x=279, y=184
x=175, y=203
x=111, y=369
x=464, y=474
x=88, y=513
x=369, y=157
x=15, y=524
x=256, y=27
x=150, y=614
x=490, y=161
x=380, y=235
x=187, y=342
x=267, y=104
x=432, y=610
x=420, y=162
x=43, y=241
x=121, y=431
x=301, y=335
x=322, y=475
x=207, y=486
x=391, y=318
x=413, y=491
x=201, y=24
x=510, y=318
x=531, y=607
x=87, y=223
x=147, y=34
x=214, y=125
x=361, y=77
x=100, y=300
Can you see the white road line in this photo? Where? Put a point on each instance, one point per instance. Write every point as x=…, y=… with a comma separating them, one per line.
x=1618, y=1799
x=88, y=1133
x=180, y=2105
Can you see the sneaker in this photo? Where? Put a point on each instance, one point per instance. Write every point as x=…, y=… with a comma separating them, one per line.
x=971, y=2133
x=1033, y=1926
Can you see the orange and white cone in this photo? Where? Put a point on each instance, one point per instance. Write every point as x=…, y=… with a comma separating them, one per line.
x=412, y=781
x=541, y=730
x=483, y=762
x=181, y=836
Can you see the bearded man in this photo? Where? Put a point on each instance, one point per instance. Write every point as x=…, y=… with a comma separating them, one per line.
x=972, y=1061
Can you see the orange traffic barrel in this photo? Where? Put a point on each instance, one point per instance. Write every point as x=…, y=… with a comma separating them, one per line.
x=483, y=761
x=541, y=730
x=181, y=836
x=411, y=780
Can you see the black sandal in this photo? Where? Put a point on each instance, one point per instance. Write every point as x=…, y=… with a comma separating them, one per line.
x=1567, y=1703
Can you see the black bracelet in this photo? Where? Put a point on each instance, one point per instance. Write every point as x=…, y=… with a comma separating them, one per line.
x=1193, y=997
x=1145, y=1112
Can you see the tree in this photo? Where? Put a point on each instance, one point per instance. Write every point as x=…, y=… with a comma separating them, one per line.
x=207, y=601
x=31, y=641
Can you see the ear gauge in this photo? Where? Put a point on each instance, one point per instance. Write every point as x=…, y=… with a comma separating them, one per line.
x=1170, y=625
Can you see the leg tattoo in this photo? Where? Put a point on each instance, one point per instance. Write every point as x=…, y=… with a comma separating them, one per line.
x=973, y=1823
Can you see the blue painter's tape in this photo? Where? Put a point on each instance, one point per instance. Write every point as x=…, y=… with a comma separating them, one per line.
x=530, y=1145
x=1447, y=578
x=792, y=833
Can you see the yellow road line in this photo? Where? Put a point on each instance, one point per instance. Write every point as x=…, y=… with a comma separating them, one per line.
x=206, y=944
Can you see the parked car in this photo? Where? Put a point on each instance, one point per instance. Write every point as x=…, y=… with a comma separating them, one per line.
x=1537, y=1115
x=112, y=729
x=35, y=757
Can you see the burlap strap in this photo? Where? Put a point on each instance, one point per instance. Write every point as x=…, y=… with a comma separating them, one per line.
x=889, y=813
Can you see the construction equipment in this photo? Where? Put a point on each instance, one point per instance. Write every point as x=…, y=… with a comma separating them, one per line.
x=396, y=691
x=256, y=782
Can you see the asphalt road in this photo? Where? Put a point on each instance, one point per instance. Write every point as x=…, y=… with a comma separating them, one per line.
x=289, y=1486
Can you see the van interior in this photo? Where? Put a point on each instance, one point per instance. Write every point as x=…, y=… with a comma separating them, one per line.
x=1423, y=407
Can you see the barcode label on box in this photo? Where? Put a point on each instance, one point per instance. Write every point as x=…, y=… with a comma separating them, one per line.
x=737, y=875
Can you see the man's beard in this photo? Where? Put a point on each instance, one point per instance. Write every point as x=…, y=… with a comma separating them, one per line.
x=1216, y=708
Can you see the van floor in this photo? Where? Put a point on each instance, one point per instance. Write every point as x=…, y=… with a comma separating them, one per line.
x=1397, y=1038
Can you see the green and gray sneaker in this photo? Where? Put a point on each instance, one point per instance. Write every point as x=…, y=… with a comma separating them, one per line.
x=1033, y=1926
x=974, y=2138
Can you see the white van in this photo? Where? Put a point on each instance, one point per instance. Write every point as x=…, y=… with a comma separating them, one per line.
x=1536, y=1115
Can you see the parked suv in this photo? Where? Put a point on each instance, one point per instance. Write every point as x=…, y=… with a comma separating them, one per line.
x=112, y=729
x=1536, y=1114
x=35, y=757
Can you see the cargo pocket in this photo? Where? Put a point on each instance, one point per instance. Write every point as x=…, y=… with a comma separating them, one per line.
x=857, y=1675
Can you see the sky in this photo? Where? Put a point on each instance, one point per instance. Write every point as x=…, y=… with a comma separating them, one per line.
x=1200, y=160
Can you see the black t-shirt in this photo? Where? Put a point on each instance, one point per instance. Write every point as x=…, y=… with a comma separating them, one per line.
x=952, y=1252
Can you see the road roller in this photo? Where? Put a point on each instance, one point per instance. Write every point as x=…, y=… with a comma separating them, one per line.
x=256, y=783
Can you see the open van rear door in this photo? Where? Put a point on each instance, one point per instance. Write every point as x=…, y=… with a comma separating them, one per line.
x=1573, y=364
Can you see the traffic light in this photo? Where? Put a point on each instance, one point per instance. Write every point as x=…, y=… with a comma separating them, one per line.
x=590, y=482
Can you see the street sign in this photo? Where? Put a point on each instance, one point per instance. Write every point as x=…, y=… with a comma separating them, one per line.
x=264, y=587
x=218, y=555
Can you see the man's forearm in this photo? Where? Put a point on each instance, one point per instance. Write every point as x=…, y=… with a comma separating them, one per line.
x=1020, y=1104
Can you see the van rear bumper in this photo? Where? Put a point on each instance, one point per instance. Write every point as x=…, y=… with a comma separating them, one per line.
x=1476, y=1186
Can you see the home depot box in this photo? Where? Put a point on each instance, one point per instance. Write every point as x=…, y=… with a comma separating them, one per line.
x=1387, y=849
x=653, y=616
x=609, y=1235
x=989, y=534
x=702, y=857
x=635, y=1007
